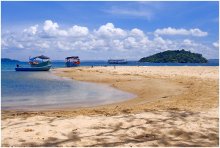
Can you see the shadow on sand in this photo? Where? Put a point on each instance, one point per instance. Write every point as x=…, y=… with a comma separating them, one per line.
x=154, y=132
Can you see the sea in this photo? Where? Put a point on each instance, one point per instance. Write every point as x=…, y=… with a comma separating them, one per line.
x=45, y=91
x=59, y=64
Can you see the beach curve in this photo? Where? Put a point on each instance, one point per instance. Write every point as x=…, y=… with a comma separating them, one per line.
x=186, y=117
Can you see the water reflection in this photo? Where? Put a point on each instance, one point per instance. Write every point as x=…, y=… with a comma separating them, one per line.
x=43, y=90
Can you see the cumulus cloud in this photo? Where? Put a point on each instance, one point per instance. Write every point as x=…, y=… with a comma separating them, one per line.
x=137, y=32
x=52, y=29
x=109, y=30
x=49, y=25
x=216, y=44
x=173, y=31
x=31, y=30
x=78, y=31
x=107, y=39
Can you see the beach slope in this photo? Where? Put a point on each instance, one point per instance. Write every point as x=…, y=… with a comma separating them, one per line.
x=174, y=106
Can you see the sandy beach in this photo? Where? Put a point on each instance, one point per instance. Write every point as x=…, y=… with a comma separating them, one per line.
x=174, y=106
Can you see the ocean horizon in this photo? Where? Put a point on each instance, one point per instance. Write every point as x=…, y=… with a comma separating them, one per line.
x=9, y=66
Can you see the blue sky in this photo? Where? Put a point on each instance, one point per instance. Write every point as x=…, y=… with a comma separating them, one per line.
x=102, y=30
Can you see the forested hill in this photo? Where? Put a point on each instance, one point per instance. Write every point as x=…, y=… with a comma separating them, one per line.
x=8, y=60
x=175, y=56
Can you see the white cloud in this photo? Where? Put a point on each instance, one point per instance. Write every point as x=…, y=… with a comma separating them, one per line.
x=159, y=40
x=216, y=44
x=173, y=31
x=130, y=42
x=109, y=30
x=144, y=13
x=52, y=29
x=19, y=45
x=49, y=25
x=31, y=30
x=42, y=44
x=137, y=32
x=78, y=31
x=198, y=32
x=107, y=39
x=137, y=10
x=187, y=42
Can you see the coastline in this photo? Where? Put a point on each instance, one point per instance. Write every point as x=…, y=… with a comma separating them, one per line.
x=166, y=97
x=156, y=88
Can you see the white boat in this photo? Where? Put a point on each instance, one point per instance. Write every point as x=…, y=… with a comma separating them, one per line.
x=117, y=61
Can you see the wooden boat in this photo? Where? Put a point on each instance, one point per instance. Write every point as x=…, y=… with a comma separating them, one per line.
x=43, y=68
x=38, y=63
x=72, y=61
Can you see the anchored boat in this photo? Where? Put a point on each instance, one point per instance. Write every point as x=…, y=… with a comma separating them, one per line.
x=117, y=61
x=44, y=68
x=72, y=61
x=38, y=63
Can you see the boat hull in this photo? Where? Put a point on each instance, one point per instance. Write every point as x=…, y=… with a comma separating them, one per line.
x=42, y=64
x=71, y=64
x=44, y=68
x=117, y=61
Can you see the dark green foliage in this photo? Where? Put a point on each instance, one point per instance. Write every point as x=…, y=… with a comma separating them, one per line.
x=175, y=56
x=8, y=60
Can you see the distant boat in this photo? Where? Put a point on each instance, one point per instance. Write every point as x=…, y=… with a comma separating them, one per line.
x=72, y=61
x=117, y=61
x=38, y=63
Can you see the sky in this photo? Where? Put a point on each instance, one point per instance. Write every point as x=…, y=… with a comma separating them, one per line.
x=103, y=30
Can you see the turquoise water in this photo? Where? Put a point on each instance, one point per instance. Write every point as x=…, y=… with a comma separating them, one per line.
x=55, y=64
x=43, y=90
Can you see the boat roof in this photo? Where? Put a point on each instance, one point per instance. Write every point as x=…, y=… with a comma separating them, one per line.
x=40, y=57
x=72, y=57
x=117, y=59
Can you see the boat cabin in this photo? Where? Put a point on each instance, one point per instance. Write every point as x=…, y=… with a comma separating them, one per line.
x=39, y=61
x=117, y=61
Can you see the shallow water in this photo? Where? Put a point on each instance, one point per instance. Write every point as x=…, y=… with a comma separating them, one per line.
x=43, y=90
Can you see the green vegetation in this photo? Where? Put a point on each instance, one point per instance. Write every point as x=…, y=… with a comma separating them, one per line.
x=8, y=60
x=175, y=56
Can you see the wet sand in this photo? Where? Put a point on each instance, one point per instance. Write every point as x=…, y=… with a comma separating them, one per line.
x=175, y=106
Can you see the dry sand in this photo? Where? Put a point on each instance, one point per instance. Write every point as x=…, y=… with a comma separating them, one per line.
x=175, y=106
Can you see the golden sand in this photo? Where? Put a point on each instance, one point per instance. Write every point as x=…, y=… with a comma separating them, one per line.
x=175, y=106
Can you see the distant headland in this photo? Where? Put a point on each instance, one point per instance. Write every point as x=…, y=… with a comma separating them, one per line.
x=175, y=56
x=8, y=60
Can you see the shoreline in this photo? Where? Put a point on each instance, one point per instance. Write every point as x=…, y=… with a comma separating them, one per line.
x=157, y=88
x=148, y=87
x=175, y=106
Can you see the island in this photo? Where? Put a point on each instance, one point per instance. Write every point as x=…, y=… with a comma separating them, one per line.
x=175, y=56
x=8, y=60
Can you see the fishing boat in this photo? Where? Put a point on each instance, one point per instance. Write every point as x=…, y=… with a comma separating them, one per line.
x=117, y=61
x=38, y=63
x=72, y=61
x=43, y=68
